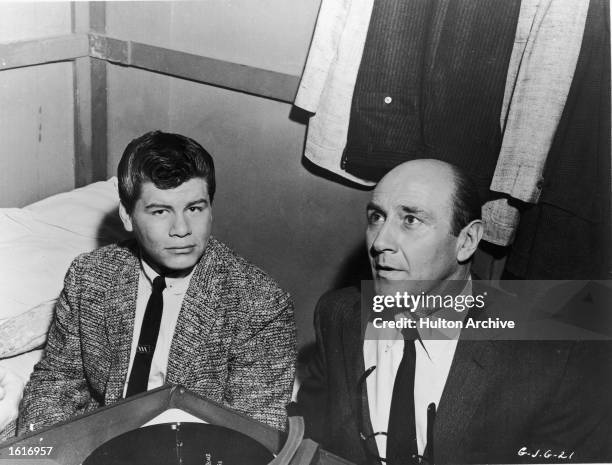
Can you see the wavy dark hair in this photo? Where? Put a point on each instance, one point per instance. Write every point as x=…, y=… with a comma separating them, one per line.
x=167, y=160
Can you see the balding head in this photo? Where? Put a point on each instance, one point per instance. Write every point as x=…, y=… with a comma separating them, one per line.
x=442, y=178
x=414, y=231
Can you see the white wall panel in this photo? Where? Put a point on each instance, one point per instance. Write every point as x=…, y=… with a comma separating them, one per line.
x=37, y=133
x=269, y=34
x=30, y=20
x=138, y=101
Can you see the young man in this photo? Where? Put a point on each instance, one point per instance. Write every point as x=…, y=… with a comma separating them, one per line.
x=173, y=306
x=419, y=400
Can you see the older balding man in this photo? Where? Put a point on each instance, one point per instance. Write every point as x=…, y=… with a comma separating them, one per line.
x=403, y=399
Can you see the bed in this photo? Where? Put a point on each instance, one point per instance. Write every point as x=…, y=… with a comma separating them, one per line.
x=37, y=244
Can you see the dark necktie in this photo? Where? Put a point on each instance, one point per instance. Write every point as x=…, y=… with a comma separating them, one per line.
x=401, y=441
x=139, y=377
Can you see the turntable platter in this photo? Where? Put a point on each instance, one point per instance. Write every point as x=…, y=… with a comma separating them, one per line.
x=181, y=444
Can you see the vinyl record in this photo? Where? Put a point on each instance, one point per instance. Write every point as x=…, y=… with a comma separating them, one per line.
x=181, y=444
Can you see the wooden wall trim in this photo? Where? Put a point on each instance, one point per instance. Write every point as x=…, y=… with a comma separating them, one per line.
x=83, y=169
x=99, y=119
x=220, y=73
x=99, y=97
x=242, y=78
x=82, y=100
x=90, y=100
x=41, y=51
x=97, y=17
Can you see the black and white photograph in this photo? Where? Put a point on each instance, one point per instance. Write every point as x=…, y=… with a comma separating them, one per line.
x=305, y=232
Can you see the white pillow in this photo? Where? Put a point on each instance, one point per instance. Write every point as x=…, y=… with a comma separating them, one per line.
x=89, y=211
x=37, y=245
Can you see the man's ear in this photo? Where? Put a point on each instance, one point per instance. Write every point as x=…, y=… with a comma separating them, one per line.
x=469, y=237
x=125, y=218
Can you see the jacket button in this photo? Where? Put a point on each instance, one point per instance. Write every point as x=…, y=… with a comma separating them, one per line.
x=388, y=100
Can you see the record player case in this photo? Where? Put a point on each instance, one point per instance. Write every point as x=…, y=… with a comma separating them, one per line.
x=73, y=440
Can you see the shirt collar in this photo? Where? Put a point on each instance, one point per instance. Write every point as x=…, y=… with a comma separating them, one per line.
x=450, y=314
x=392, y=336
x=174, y=285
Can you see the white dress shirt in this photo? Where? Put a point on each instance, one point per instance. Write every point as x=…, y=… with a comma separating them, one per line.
x=173, y=296
x=384, y=348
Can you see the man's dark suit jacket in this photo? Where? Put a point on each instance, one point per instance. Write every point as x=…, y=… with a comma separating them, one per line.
x=501, y=400
x=234, y=340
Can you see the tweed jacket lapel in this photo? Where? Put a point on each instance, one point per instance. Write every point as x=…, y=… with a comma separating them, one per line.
x=197, y=316
x=119, y=311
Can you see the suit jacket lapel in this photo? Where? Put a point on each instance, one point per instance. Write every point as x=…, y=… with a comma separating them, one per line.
x=197, y=316
x=119, y=316
x=466, y=383
x=352, y=342
x=471, y=371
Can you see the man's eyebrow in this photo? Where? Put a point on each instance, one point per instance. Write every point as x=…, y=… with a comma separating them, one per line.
x=170, y=207
x=154, y=205
x=374, y=206
x=412, y=210
x=196, y=202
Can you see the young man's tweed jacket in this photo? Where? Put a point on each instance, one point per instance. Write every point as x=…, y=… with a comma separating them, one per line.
x=234, y=340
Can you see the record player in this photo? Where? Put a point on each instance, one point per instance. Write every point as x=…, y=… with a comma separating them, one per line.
x=169, y=425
